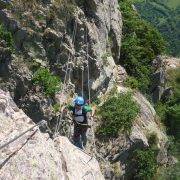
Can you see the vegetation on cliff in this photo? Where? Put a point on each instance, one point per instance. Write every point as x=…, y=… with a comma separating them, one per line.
x=50, y=83
x=141, y=43
x=118, y=114
x=146, y=163
x=6, y=36
x=169, y=112
x=164, y=15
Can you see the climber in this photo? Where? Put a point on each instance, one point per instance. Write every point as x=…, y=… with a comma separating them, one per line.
x=80, y=119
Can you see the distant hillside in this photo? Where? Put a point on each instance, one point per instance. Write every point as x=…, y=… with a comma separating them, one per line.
x=165, y=15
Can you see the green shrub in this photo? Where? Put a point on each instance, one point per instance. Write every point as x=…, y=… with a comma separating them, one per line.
x=6, y=36
x=131, y=82
x=165, y=18
x=153, y=140
x=173, y=120
x=146, y=161
x=49, y=83
x=56, y=107
x=117, y=113
x=141, y=43
x=161, y=109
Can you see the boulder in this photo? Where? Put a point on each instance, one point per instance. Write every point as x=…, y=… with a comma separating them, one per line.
x=20, y=36
x=157, y=93
x=35, y=155
x=167, y=94
x=5, y=61
x=8, y=21
x=158, y=79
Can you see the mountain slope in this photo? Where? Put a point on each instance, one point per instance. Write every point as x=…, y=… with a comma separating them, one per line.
x=165, y=15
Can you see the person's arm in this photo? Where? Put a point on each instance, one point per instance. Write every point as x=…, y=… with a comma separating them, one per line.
x=88, y=108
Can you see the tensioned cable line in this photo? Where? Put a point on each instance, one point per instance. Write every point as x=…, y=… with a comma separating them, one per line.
x=89, y=94
x=65, y=79
x=89, y=90
x=20, y=135
x=82, y=81
x=88, y=73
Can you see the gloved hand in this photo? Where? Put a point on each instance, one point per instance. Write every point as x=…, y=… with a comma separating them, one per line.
x=88, y=101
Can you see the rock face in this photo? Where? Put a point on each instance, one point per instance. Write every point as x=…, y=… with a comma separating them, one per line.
x=159, y=88
x=35, y=155
x=66, y=37
x=119, y=150
x=55, y=35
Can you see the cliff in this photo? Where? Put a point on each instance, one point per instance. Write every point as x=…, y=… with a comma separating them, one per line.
x=80, y=42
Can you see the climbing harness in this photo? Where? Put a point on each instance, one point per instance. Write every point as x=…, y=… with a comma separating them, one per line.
x=41, y=123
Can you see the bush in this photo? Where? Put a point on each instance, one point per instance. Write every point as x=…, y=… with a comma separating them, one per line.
x=6, y=36
x=56, y=107
x=49, y=82
x=153, y=140
x=161, y=109
x=131, y=82
x=118, y=113
x=141, y=43
x=165, y=18
x=173, y=120
x=146, y=161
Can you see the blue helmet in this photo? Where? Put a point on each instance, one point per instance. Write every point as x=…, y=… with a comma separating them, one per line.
x=79, y=101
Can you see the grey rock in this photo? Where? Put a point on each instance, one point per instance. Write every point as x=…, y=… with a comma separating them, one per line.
x=158, y=62
x=5, y=61
x=162, y=157
x=20, y=36
x=8, y=21
x=172, y=160
x=35, y=155
x=157, y=93
x=167, y=94
x=158, y=79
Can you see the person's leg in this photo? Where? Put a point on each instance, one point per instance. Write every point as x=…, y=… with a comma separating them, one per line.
x=84, y=137
x=76, y=137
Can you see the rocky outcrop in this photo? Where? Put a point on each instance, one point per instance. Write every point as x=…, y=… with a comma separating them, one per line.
x=119, y=150
x=159, y=88
x=57, y=36
x=54, y=35
x=171, y=62
x=35, y=155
